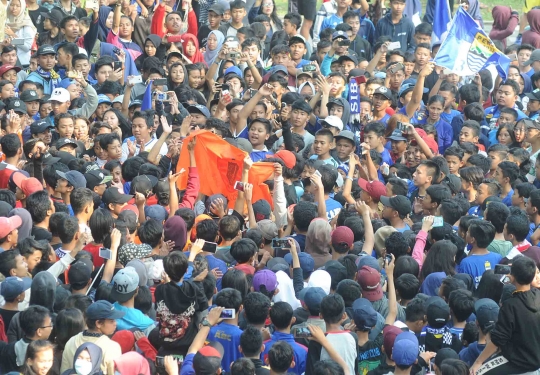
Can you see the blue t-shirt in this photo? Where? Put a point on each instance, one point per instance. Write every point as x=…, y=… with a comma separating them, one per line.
x=449, y=116
x=258, y=155
x=229, y=336
x=300, y=351
x=214, y=262
x=508, y=199
x=187, y=366
x=133, y=318
x=476, y=265
x=386, y=158
x=333, y=208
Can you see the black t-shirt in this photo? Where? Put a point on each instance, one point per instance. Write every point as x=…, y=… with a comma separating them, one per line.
x=382, y=369
x=41, y=234
x=7, y=315
x=37, y=18
x=45, y=38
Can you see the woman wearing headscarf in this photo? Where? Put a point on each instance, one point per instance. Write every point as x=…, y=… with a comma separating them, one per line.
x=87, y=360
x=213, y=46
x=190, y=48
x=152, y=47
x=19, y=25
x=318, y=241
x=175, y=230
x=525, y=85
x=286, y=290
x=105, y=22
x=132, y=363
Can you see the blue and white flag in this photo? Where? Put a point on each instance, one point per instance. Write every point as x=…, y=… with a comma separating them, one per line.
x=441, y=21
x=147, y=98
x=467, y=49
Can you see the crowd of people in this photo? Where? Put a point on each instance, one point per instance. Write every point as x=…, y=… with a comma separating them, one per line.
x=208, y=187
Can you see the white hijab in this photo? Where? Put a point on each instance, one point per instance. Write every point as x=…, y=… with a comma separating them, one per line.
x=286, y=290
x=322, y=279
x=23, y=19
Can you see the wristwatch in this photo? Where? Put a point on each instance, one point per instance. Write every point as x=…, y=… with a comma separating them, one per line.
x=206, y=323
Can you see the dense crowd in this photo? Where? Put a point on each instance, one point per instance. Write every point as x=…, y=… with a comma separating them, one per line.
x=207, y=187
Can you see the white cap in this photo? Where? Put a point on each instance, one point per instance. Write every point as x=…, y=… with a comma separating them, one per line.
x=118, y=99
x=334, y=121
x=83, y=51
x=60, y=95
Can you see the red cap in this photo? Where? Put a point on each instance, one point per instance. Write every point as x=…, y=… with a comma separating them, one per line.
x=389, y=336
x=370, y=283
x=375, y=189
x=342, y=235
x=287, y=157
x=432, y=144
x=8, y=224
x=131, y=207
x=28, y=185
x=5, y=68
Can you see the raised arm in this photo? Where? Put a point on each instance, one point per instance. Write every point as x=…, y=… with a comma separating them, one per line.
x=264, y=90
x=392, y=302
x=154, y=152
x=418, y=90
x=369, y=237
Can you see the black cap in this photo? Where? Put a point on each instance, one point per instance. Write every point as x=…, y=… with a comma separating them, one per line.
x=46, y=49
x=96, y=177
x=384, y=91
x=103, y=310
x=29, y=96
x=400, y=203
x=112, y=195
x=302, y=105
x=437, y=312
x=40, y=126
x=217, y=9
x=17, y=105
x=54, y=15
x=64, y=142
x=349, y=58
x=534, y=95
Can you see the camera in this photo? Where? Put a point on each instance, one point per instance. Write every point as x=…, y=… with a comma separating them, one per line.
x=161, y=96
x=281, y=243
x=344, y=43
x=233, y=55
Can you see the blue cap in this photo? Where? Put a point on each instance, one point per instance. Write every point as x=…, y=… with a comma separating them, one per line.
x=103, y=310
x=405, y=351
x=486, y=310
x=199, y=109
x=135, y=102
x=364, y=315
x=368, y=260
x=307, y=264
x=234, y=70
x=75, y=178
x=102, y=98
x=156, y=212
x=407, y=86
x=312, y=297
x=340, y=34
x=397, y=135
x=11, y=287
x=280, y=68
x=66, y=82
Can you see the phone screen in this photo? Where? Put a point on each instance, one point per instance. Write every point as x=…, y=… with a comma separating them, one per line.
x=211, y=247
x=105, y=253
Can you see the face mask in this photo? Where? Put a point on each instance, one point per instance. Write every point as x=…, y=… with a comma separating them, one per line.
x=83, y=367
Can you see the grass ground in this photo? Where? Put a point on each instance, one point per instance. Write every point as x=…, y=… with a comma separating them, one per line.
x=486, y=13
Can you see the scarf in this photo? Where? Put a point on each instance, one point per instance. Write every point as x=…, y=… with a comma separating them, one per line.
x=210, y=56
x=103, y=29
x=20, y=21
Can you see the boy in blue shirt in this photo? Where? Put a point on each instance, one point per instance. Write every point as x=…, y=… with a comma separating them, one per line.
x=506, y=174
x=324, y=140
x=281, y=315
x=258, y=132
x=374, y=137
x=227, y=332
x=480, y=234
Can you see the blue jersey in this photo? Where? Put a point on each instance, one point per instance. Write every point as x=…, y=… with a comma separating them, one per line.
x=476, y=265
x=227, y=335
x=333, y=208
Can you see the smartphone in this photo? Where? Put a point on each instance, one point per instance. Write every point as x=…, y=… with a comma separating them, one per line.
x=513, y=56
x=280, y=252
x=317, y=173
x=232, y=45
x=281, y=243
x=344, y=43
x=162, y=97
x=105, y=253
x=17, y=41
x=228, y=314
x=72, y=74
x=136, y=79
x=396, y=67
x=502, y=269
x=210, y=247
x=301, y=332
x=361, y=79
x=174, y=38
x=388, y=258
x=283, y=105
x=160, y=361
x=309, y=68
x=116, y=50
x=351, y=207
x=160, y=82
x=238, y=185
x=394, y=45
x=91, y=4
x=400, y=126
x=178, y=358
x=225, y=87
x=117, y=65
x=438, y=222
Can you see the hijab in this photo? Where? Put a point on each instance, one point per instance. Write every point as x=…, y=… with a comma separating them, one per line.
x=286, y=290
x=103, y=30
x=156, y=41
x=96, y=357
x=175, y=230
x=318, y=241
x=22, y=20
x=527, y=84
x=132, y=363
x=197, y=56
x=26, y=227
x=210, y=56
x=321, y=279
x=432, y=283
